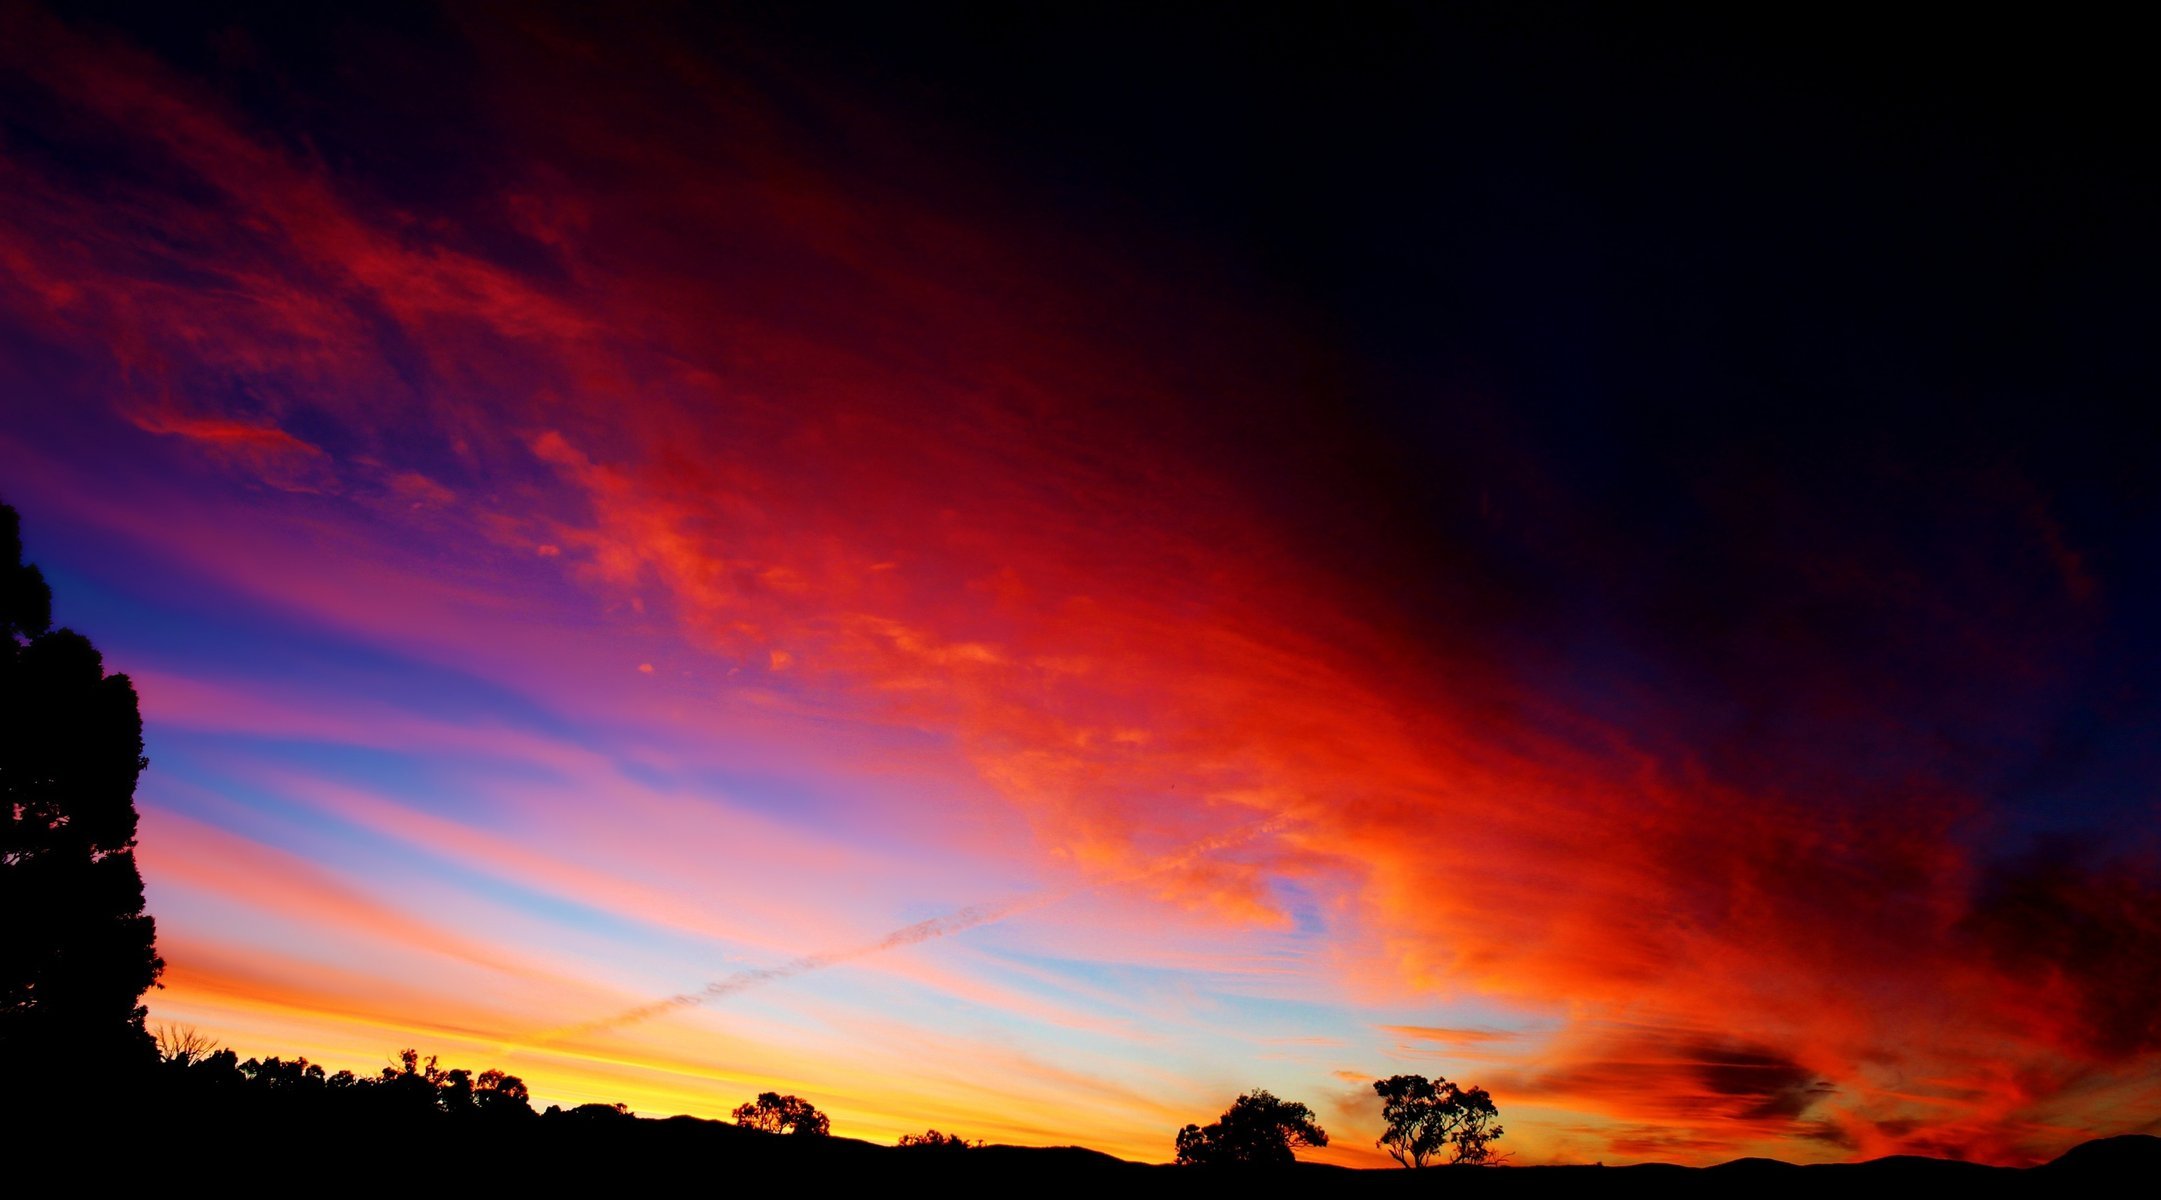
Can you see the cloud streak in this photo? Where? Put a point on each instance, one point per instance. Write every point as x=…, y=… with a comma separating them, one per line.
x=922, y=931
x=958, y=921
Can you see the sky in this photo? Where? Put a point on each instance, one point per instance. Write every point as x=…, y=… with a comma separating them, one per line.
x=1029, y=574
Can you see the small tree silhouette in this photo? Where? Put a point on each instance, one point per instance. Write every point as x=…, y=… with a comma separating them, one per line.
x=1426, y=1116
x=181, y=1046
x=1257, y=1130
x=775, y=1113
x=498, y=1095
x=78, y=951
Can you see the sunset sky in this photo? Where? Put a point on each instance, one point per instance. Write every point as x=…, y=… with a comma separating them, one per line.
x=1618, y=562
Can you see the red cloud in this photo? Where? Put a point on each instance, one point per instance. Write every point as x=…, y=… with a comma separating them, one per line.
x=264, y=451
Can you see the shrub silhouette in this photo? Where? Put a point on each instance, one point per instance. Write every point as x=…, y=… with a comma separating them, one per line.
x=933, y=1140
x=593, y=1112
x=1257, y=1130
x=775, y=1113
x=1427, y=1116
x=76, y=949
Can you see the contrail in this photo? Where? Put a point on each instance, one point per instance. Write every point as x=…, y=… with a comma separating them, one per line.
x=908, y=935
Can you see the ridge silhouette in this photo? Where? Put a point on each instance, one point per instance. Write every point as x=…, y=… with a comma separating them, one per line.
x=421, y=1119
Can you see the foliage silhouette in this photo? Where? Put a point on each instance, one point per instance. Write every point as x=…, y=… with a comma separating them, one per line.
x=1426, y=1116
x=425, y=1085
x=496, y=1094
x=772, y=1112
x=76, y=949
x=412, y=1088
x=931, y=1139
x=593, y=1112
x=1257, y=1130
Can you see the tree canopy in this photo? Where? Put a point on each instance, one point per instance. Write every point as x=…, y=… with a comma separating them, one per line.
x=1427, y=1116
x=775, y=1113
x=77, y=951
x=1257, y=1130
x=411, y=1087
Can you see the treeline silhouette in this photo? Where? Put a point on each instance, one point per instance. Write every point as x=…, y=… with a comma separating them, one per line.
x=412, y=1086
x=193, y=1069
x=1258, y=1129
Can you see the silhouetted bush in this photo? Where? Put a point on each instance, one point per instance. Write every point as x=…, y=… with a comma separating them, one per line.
x=1257, y=1130
x=934, y=1140
x=591, y=1112
x=772, y=1112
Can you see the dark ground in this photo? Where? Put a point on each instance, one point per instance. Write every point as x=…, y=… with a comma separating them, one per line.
x=257, y=1147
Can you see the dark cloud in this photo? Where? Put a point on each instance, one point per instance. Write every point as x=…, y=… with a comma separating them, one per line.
x=1829, y=1133
x=1776, y=1087
x=1687, y=1075
x=2070, y=920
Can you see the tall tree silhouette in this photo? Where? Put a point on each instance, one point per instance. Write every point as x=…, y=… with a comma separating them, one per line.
x=1426, y=1116
x=76, y=949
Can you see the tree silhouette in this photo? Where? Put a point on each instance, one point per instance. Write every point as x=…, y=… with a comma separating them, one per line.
x=1426, y=1116
x=413, y=1083
x=498, y=1095
x=1257, y=1130
x=181, y=1046
x=1476, y=1133
x=775, y=1113
x=76, y=949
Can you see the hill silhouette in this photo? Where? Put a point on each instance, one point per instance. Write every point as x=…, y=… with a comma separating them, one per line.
x=167, y=1129
x=2133, y=1155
